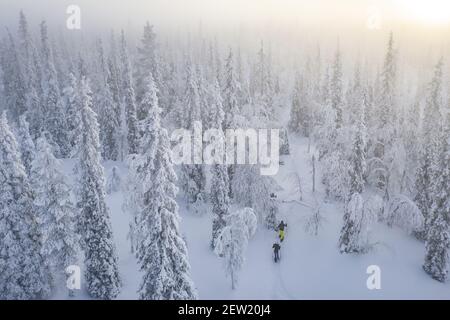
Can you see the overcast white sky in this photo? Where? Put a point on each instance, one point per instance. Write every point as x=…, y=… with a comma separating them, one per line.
x=220, y=12
x=367, y=22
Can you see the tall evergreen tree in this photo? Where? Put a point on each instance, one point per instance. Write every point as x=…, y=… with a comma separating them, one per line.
x=113, y=124
x=300, y=120
x=72, y=110
x=429, y=146
x=26, y=143
x=438, y=227
x=129, y=100
x=358, y=155
x=220, y=201
x=220, y=184
x=54, y=117
x=263, y=88
x=109, y=111
x=336, y=88
x=230, y=94
x=14, y=83
x=29, y=60
x=231, y=106
x=385, y=120
x=147, y=64
x=22, y=272
x=352, y=235
x=102, y=275
x=161, y=252
x=56, y=212
x=193, y=175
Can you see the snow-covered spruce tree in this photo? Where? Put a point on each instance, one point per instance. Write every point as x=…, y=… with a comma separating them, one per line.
x=54, y=117
x=133, y=198
x=358, y=154
x=147, y=63
x=429, y=148
x=138, y=164
x=220, y=184
x=232, y=242
x=148, y=102
x=82, y=68
x=28, y=55
x=336, y=176
x=205, y=94
x=336, y=88
x=230, y=94
x=102, y=275
x=26, y=144
x=333, y=154
x=265, y=95
x=243, y=80
x=325, y=130
x=355, y=94
x=108, y=109
x=300, y=120
x=161, y=251
x=193, y=176
x=437, y=246
x=129, y=100
x=22, y=270
x=29, y=60
x=13, y=80
x=324, y=95
x=114, y=120
x=231, y=106
x=411, y=136
x=386, y=103
x=262, y=83
x=215, y=62
x=110, y=125
x=352, y=238
x=385, y=117
x=72, y=111
x=220, y=200
x=438, y=225
x=214, y=113
x=56, y=213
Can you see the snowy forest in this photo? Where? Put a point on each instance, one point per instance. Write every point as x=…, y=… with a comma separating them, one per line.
x=88, y=178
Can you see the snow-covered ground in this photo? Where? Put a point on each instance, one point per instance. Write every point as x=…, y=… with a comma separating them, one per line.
x=311, y=267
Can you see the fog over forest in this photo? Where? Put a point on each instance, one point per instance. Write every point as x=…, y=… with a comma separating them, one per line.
x=105, y=173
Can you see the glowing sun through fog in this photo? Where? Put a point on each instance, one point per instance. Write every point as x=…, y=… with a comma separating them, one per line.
x=431, y=12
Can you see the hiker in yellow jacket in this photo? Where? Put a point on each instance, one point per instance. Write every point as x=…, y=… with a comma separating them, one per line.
x=281, y=227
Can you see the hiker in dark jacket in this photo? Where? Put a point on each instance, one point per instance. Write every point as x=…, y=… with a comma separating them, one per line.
x=276, y=249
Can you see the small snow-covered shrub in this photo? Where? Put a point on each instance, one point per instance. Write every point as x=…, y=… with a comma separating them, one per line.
x=284, y=145
x=374, y=205
x=231, y=244
x=355, y=233
x=253, y=190
x=246, y=218
x=314, y=222
x=335, y=175
x=403, y=213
